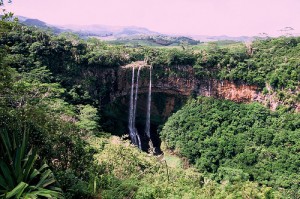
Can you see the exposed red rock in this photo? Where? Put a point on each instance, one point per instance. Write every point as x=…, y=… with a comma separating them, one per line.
x=238, y=93
x=181, y=80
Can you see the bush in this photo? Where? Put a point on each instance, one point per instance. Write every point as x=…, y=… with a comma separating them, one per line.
x=20, y=176
x=237, y=141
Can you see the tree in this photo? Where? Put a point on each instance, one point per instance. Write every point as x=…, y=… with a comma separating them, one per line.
x=88, y=118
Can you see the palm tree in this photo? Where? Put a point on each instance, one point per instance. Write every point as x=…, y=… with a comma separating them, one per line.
x=19, y=175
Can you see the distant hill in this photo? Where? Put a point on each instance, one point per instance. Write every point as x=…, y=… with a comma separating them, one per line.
x=105, y=31
x=207, y=38
x=39, y=24
x=128, y=34
x=35, y=22
x=154, y=40
x=90, y=30
x=124, y=35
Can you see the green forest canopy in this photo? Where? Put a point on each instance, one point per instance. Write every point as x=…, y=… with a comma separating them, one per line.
x=43, y=96
x=234, y=141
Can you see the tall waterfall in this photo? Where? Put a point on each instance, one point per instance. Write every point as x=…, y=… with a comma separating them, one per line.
x=134, y=108
x=134, y=135
x=147, y=128
x=130, y=117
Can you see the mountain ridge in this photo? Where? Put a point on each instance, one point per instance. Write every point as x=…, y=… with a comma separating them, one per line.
x=107, y=32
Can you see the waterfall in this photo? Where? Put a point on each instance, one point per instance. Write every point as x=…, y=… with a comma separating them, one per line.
x=147, y=128
x=134, y=108
x=134, y=135
x=130, y=117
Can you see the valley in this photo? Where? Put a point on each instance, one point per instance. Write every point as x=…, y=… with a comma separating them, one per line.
x=86, y=118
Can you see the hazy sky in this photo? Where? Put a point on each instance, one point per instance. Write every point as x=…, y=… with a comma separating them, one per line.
x=210, y=17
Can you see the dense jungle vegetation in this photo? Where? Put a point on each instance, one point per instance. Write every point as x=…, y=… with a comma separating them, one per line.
x=238, y=142
x=51, y=136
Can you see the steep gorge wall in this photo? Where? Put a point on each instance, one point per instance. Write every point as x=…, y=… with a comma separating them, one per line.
x=171, y=87
x=184, y=84
x=182, y=81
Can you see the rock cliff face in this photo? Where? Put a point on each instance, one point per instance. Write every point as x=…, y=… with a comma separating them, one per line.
x=184, y=83
x=171, y=87
x=180, y=81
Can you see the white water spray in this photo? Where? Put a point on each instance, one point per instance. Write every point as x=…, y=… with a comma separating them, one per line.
x=134, y=135
x=134, y=109
x=130, y=117
x=135, y=138
x=147, y=128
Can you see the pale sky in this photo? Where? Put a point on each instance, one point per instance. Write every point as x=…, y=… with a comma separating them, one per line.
x=193, y=17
